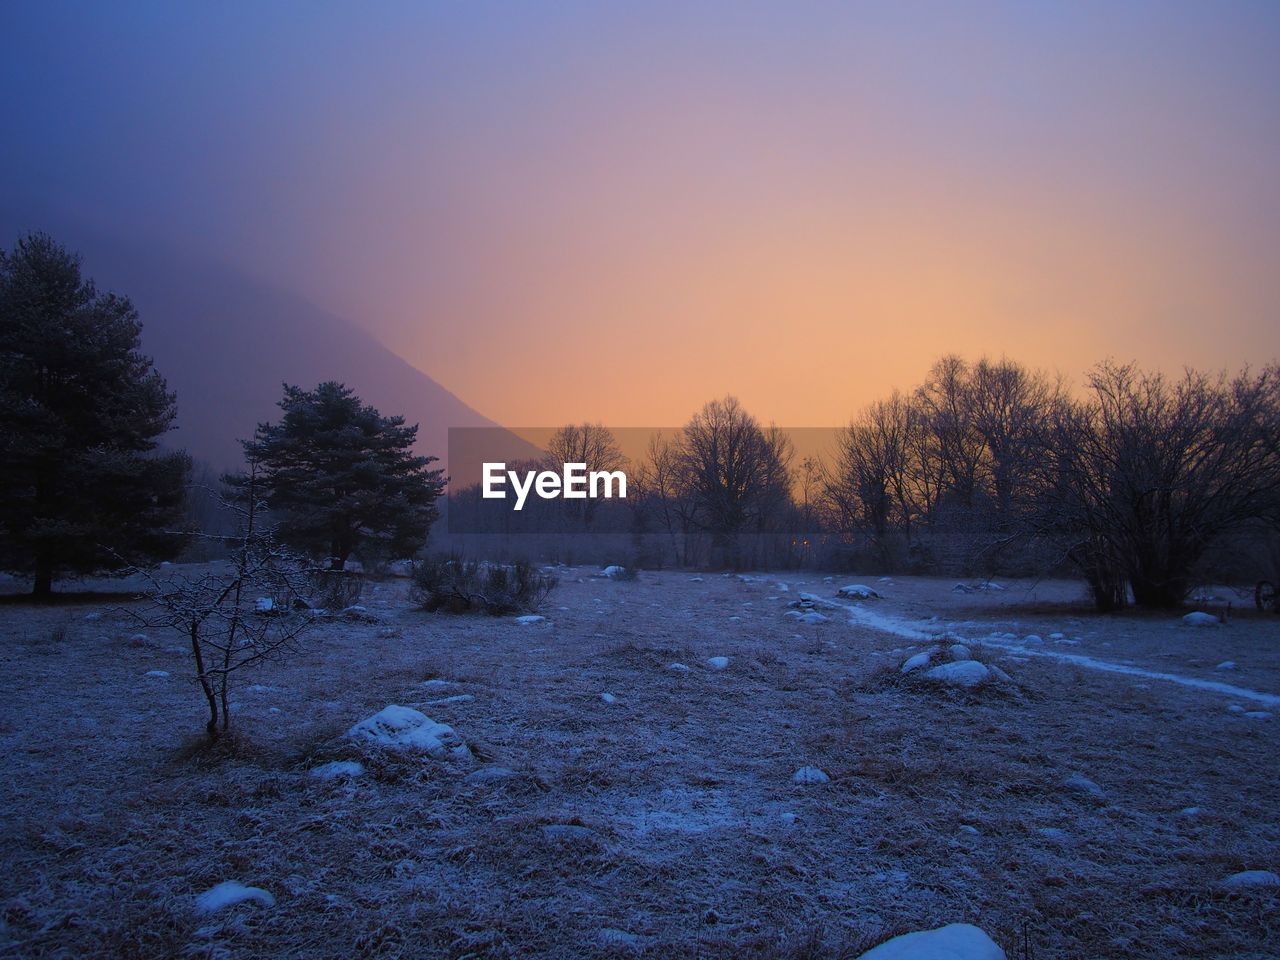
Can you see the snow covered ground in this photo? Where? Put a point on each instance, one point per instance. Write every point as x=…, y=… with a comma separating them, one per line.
x=1101, y=788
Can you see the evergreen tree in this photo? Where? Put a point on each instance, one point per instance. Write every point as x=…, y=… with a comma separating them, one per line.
x=80, y=411
x=341, y=476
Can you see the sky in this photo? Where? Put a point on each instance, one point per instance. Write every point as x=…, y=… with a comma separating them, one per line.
x=619, y=211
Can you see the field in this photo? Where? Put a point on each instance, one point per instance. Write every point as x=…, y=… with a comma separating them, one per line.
x=1069, y=811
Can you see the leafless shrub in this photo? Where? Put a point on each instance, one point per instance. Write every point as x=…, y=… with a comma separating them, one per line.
x=465, y=586
x=234, y=620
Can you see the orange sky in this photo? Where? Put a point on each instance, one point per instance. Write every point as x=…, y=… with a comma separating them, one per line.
x=616, y=214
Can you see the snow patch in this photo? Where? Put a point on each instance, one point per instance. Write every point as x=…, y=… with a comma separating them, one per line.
x=810, y=775
x=229, y=893
x=1199, y=618
x=337, y=768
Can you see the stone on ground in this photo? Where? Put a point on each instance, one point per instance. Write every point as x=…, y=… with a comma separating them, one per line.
x=400, y=727
x=956, y=941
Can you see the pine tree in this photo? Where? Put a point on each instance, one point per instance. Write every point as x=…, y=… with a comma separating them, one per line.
x=81, y=408
x=342, y=477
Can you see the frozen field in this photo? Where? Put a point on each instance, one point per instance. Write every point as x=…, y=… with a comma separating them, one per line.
x=1084, y=811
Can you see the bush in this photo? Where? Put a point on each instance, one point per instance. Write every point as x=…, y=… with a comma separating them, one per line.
x=334, y=590
x=467, y=586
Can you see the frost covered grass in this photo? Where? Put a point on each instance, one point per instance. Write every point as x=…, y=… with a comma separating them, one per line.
x=668, y=821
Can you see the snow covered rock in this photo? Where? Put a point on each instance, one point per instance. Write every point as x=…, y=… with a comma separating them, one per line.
x=405, y=728
x=264, y=605
x=678, y=667
x=615, y=572
x=810, y=775
x=1082, y=784
x=915, y=662
x=718, y=663
x=608, y=698
x=959, y=673
x=1226, y=665
x=813, y=617
x=490, y=773
x=337, y=768
x=1199, y=618
x=956, y=941
x=158, y=674
x=858, y=591
x=529, y=619
x=228, y=893
x=959, y=651
x=1251, y=879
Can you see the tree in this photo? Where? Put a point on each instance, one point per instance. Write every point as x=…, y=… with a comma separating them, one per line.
x=81, y=409
x=342, y=476
x=735, y=472
x=591, y=444
x=1149, y=474
x=233, y=623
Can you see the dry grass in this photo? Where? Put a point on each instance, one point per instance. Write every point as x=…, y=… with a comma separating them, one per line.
x=665, y=824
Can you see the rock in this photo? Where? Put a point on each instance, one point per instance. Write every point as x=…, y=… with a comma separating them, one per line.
x=959, y=651
x=959, y=673
x=956, y=941
x=612, y=937
x=161, y=674
x=264, y=605
x=489, y=773
x=353, y=566
x=1201, y=619
x=1033, y=638
x=858, y=591
x=1258, y=714
x=337, y=768
x=1054, y=834
x=608, y=698
x=1251, y=879
x=529, y=619
x=718, y=663
x=810, y=775
x=400, y=568
x=228, y=893
x=679, y=667
x=813, y=617
x=615, y=572
x=405, y=728
x=915, y=662
x=1226, y=665
x=970, y=829
x=1000, y=674
x=1082, y=784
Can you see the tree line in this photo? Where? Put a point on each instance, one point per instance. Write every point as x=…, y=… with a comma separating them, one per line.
x=984, y=468
x=1136, y=482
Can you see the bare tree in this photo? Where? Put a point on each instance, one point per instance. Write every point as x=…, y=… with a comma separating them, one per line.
x=1150, y=473
x=735, y=472
x=591, y=444
x=236, y=621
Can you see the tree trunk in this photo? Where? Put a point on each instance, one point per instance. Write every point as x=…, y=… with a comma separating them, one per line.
x=43, y=586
